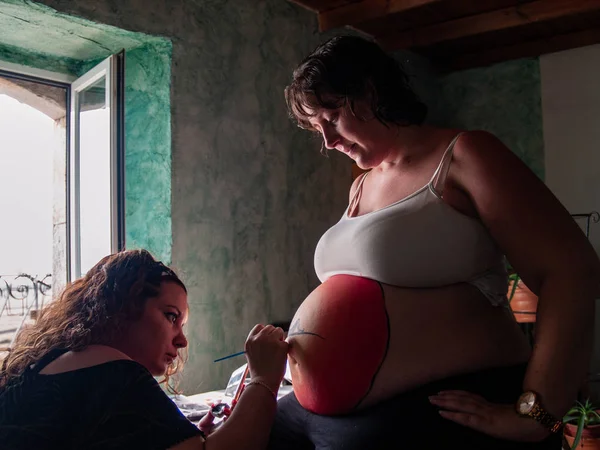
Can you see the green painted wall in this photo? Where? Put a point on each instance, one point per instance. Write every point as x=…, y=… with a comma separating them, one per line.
x=38, y=36
x=45, y=31
x=27, y=57
x=148, y=148
x=504, y=99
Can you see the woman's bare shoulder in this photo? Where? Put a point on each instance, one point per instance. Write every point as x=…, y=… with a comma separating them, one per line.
x=92, y=355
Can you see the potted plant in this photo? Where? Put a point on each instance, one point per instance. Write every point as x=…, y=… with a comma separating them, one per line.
x=522, y=300
x=582, y=426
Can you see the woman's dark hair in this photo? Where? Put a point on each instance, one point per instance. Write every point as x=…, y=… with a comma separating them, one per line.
x=346, y=69
x=94, y=309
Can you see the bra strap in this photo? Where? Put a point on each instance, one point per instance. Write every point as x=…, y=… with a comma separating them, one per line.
x=439, y=176
x=47, y=359
x=357, y=194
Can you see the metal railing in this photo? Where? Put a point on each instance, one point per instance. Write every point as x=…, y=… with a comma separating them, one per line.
x=20, y=296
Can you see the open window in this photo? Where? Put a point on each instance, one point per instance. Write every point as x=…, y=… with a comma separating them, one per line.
x=83, y=202
x=96, y=172
x=63, y=155
x=62, y=149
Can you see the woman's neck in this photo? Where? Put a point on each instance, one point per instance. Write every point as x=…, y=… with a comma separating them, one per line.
x=411, y=143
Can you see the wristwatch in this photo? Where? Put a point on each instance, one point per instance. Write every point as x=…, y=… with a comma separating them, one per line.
x=528, y=405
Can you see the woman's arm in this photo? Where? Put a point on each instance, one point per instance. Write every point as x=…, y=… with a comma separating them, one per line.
x=248, y=427
x=548, y=250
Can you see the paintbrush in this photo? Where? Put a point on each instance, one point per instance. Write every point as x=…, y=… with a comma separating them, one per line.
x=229, y=356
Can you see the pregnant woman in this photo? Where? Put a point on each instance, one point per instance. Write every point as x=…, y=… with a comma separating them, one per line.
x=409, y=341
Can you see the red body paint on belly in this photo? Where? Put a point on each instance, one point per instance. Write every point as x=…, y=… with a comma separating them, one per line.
x=339, y=338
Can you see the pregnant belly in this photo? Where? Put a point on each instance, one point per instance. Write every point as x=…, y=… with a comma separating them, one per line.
x=338, y=339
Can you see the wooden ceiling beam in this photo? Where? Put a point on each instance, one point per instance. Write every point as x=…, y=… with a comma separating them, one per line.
x=355, y=13
x=305, y=5
x=501, y=19
x=533, y=48
x=317, y=6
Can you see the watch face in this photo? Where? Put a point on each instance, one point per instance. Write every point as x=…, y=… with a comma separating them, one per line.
x=526, y=402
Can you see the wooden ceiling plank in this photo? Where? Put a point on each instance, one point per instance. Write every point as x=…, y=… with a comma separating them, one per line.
x=355, y=13
x=305, y=5
x=505, y=18
x=321, y=5
x=532, y=48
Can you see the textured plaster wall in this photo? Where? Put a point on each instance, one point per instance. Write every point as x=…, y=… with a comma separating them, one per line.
x=571, y=105
x=504, y=99
x=23, y=55
x=42, y=28
x=251, y=194
x=148, y=148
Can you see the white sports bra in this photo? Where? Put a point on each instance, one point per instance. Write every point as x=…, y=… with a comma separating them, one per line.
x=417, y=242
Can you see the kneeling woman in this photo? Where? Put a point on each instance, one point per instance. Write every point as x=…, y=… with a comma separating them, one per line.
x=409, y=341
x=81, y=377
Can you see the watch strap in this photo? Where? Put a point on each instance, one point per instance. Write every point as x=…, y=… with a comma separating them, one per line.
x=545, y=418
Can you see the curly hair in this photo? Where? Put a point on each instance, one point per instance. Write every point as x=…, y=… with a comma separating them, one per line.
x=94, y=309
x=347, y=69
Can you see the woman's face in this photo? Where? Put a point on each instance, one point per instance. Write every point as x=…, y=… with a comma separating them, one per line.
x=362, y=137
x=155, y=339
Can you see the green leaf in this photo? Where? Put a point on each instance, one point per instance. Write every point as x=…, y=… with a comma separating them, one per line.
x=580, y=426
x=570, y=418
x=594, y=418
x=515, y=279
x=576, y=411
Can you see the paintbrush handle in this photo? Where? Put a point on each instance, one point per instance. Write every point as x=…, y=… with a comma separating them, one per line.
x=241, y=385
x=229, y=356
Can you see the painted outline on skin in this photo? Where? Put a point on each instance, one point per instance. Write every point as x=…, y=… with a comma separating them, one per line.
x=295, y=330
